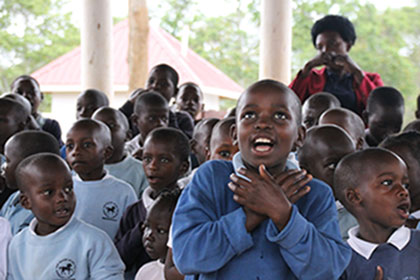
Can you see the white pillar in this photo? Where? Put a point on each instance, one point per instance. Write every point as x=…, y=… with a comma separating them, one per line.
x=276, y=40
x=96, y=44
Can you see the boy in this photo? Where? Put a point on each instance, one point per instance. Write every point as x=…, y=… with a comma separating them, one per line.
x=17, y=148
x=315, y=105
x=324, y=147
x=29, y=88
x=155, y=235
x=88, y=101
x=190, y=99
x=407, y=147
x=384, y=114
x=377, y=196
x=101, y=198
x=165, y=160
x=221, y=142
x=201, y=139
x=57, y=245
x=121, y=164
x=347, y=120
x=228, y=227
x=151, y=110
x=412, y=126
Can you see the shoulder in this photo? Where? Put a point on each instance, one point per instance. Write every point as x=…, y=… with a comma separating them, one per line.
x=319, y=199
x=117, y=183
x=214, y=171
x=89, y=232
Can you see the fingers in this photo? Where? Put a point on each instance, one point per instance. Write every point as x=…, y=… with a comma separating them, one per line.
x=379, y=273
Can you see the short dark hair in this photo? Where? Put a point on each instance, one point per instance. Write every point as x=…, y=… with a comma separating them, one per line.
x=173, y=136
x=208, y=124
x=165, y=67
x=336, y=23
x=413, y=126
x=191, y=84
x=323, y=99
x=149, y=98
x=409, y=139
x=23, y=78
x=94, y=124
x=384, y=96
x=19, y=110
x=224, y=125
x=99, y=96
x=34, y=142
x=272, y=84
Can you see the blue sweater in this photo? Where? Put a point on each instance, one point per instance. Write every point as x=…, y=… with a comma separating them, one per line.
x=210, y=239
x=75, y=251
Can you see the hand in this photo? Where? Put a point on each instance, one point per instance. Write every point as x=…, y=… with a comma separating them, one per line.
x=293, y=182
x=318, y=60
x=347, y=65
x=261, y=195
x=253, y=219
x=379, y=273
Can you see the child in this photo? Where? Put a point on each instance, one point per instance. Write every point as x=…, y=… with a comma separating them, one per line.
x=150, y=111
x=88, y=101
x=5, y=236
x=324, y=147
x=57, y=245
x=384, y=114
x=17, y=148
x=412, y=126
x=221, y=142
x=229, y=227
x=101, y=198
x=165, y=160
x=190, y=99
x=155, y=235
x=201, y=139
x=407, y=146
x=315, y=105
x=32, y=124
x=372, y=185
x=348, y=120
x=29, y=88
x=121, y=164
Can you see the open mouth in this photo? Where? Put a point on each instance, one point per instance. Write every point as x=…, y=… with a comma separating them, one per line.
x=63, y=212
x=262, y=144
x=404, y=210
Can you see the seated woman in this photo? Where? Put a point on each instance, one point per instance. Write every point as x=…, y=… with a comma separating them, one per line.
x=333, y=36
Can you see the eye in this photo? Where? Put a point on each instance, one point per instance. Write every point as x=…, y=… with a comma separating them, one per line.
x=164, y=160
x=162, y=231
x=387, y=182
x=47, y=192
x=69, y=146
x=249, y=115
x=332, y=165
x=406, y=185
x=224, y=154
x=308, y=122
x=147, y=159
x=87, y=144
x=164, y=119
x=68, y=189
x=280, y=116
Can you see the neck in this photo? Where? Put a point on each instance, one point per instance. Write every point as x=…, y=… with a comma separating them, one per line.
x=374, y=233
x=117, y=156
x=95, y=175
x=273, y=170
x=156, y=192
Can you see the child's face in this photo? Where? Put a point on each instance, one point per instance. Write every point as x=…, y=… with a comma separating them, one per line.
x=86, y=152
x=162, y=165
x=156, y=231
x=221, y=146
x=266, y=128
x=160, y=81
x=150, y=118
x=189, y=100
x=383, y=192
x=311, y=113
x=413, y=169
x=30, y=90
x=50, y=197
x=8, y=125
x=384, y=121
x=86, y=105
x=13, y=156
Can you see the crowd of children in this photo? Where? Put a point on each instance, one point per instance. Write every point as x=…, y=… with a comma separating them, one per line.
x=277, y=189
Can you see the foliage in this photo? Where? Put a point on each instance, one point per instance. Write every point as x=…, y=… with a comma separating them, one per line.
x=32, y=33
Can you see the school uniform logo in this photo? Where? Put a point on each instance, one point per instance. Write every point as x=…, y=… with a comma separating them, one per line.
x=110, y=211
x=65, y=269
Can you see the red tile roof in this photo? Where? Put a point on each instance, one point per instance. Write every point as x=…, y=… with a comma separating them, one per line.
x=163, y=48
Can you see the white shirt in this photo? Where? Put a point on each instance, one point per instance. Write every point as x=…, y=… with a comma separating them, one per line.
x=399, y=239
x=151, y=271
x=5, y=236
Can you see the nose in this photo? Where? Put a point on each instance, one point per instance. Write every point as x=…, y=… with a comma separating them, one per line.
x=402, y=191
x=148, y=233
x=62, y=196
x=153, y=165
x=263, y=122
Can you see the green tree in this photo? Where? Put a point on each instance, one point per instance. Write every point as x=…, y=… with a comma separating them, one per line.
x=32, y=33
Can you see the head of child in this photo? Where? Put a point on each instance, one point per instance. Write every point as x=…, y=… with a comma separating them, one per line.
x=20, y=99
x=14, y=117
x=201, y=138
x=221, y=142
x=88, y=101
x=164, y=80
x=412, y=126
x=315, y=105
x=190, y=99
x=24, y=144
x=318, y=156
x=347, y=120
x=384, y=114
x=372, y=185
x=88, y=146
x=120, y=131
x=49, y=195
x=151, y=111
x=268, y=125
x=165, y=158
x=407, y=147
x=29, y=88
x=157, y=223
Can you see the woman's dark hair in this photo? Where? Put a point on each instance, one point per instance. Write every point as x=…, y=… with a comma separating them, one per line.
x=335, y=23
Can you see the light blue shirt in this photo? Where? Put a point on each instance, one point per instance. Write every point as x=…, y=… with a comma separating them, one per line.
x=18, y=217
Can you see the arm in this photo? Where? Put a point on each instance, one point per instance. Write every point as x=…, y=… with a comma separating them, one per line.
x=208, y=227
x=171, y=273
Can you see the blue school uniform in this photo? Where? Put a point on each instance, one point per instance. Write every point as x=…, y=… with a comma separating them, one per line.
x=18, y=217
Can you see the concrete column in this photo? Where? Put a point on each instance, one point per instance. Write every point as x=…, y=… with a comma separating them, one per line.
x=96, y=44
x=276, y=40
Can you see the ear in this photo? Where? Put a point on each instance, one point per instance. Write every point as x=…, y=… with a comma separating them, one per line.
x=360, y=143
x=25, y=201
x=417, y=114
x=128, y=135
x=208, y=154
x=300, y=138
x=133, y=119
x=108, y=152
x=353, y=197
x=348, y=47
x=184, y=167
x=193, y=145
x=234, y=134
x=365, y=117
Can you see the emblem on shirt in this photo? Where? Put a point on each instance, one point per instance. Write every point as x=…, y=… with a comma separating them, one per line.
x=110, y=211
x=65, y=269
